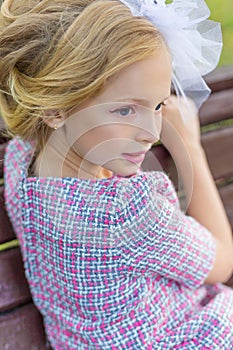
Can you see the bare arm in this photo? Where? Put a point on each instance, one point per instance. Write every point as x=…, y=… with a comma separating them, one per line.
x=183, y=142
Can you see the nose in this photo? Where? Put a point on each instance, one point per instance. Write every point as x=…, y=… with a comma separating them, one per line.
x=149, y=128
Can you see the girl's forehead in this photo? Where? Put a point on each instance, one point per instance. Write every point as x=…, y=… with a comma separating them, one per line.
x=150, y=78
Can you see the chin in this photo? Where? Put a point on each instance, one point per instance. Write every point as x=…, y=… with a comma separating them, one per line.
x=128, y=172
x=122, y=169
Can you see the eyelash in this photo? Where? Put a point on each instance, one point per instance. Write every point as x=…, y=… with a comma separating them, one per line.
x=119, y=110
x=133, y=111
x=157, y=109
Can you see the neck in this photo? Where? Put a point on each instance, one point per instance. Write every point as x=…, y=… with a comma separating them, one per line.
x=60, y=160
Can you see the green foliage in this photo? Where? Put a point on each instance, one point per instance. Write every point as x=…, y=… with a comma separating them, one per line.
x=221, y=11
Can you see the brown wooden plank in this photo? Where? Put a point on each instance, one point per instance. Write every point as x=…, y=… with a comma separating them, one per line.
x=221, y=78
x=14, y=289
x=230, y=282
x=218, y=107
x=6, y=230
x=218, y=145
x=22, y=329
x=2, y=151
x=157, y=159
x=226, y=193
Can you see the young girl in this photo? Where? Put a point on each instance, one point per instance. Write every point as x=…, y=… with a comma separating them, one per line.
x=112, y=261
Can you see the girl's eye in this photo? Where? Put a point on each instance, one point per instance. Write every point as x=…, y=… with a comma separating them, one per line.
x=159, y=107
x=124, y=111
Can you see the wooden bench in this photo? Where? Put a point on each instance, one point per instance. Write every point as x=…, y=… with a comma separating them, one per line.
x=21, y=325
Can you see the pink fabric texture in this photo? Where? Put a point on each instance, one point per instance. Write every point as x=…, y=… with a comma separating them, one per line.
x=114, y=263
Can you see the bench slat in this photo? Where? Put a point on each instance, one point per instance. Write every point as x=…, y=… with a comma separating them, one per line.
x=6, y=230
x=218, y=145
x=218, y=107
x=2, y=150
x=22, y=329
x=14, y=290
x=226, y=193
x=221, y=78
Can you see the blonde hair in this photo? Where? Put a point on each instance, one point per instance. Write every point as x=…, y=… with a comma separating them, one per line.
x=55, y=54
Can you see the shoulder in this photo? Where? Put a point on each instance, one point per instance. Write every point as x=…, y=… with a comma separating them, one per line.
x=18, y=154
x=19, y=145
x=17, y=157
x=147, y=186
x=112, y=198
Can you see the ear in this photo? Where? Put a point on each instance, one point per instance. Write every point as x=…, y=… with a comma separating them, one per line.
x=54, y=119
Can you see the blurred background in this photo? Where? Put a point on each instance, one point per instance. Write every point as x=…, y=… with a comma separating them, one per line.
x=222, y=11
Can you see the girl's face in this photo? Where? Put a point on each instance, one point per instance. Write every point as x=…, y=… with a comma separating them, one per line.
x=115, y=129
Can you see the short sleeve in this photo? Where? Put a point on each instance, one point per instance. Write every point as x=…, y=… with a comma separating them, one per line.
x=158, y=238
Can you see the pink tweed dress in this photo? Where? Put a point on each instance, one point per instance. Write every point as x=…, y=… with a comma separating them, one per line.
x=113, y=263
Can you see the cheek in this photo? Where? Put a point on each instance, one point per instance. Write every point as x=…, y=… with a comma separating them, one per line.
x=104, y=138
x=110, y=135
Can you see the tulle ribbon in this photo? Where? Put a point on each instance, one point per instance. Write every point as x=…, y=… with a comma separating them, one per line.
x=194, y=41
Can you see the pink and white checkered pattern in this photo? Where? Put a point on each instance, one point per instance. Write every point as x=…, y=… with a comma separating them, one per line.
x=114, y=264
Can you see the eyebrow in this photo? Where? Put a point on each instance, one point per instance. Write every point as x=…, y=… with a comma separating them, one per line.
x=139, y=100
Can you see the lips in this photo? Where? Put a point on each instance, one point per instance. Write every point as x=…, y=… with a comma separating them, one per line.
x=136, y=158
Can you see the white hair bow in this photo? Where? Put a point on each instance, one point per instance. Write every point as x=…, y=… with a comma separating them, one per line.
x=195, y=43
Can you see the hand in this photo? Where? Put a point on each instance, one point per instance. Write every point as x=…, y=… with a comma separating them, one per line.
x=180, y=124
